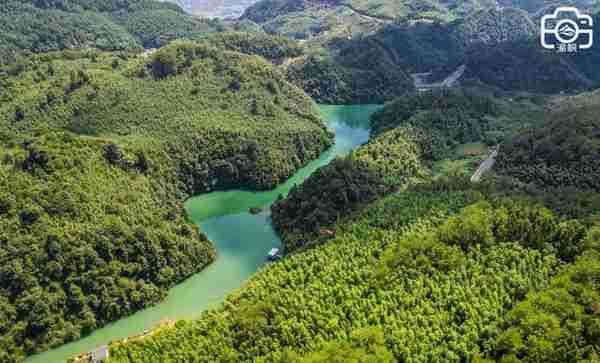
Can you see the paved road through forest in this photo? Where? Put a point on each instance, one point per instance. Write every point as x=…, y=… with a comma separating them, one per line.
x=485, y=166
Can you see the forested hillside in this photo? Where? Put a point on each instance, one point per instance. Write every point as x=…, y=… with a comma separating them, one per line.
x=458, y=114
x=328, y=81
x=98, y=153
x=46, y=25
x=391, y=253
x=351, y=50
x=493, y=26
x=273, y=48
x=382, y=10
x=380, y=167
x=408, y=136
x=441, y=269
x=84, y=240
x=564, y=152
x=148, y=96
x=435, y=272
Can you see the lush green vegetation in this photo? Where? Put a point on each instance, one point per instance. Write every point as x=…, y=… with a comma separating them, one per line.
x=192, y=99
x=373, y=68
x=387, y=261
x=493, y=26
x=559, y=323
x=45, y=25
x=327, y=81
x=84, y=240
x=460, y=115
x=429, y=273
x=418, y=47
x=98, y=152
x=383, y=165
x=378, y=10
x=523, y=66
x=353, y=47
x=100, y=5
x=409, y=134
x=266, y=10
x=266, y=46
x=565, y=151
x=25, y=27
x=154, y=28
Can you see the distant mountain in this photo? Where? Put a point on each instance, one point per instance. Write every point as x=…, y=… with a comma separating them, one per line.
x=215, y=8
x=46, y=25
x=499, y=47
x=495, y=26
x=536, y=6
x=381, y=60
x=372, y=11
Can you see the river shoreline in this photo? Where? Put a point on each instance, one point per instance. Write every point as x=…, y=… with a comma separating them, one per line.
x=241, y=251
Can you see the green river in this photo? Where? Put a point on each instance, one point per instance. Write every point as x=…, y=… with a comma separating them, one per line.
x=242, y=241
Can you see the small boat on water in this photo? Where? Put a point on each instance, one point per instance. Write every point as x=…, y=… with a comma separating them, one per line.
x=274, y=254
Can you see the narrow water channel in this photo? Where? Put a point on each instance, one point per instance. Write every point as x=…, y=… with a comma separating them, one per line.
x=242, y=241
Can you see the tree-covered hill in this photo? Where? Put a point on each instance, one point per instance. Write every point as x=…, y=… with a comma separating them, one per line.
x=265, y=11
x=190, y=93
x=273, y=48
x=328, y=81
x=25, y=27
x=408, y=136
x=385, y=164
x=100, y=5
x=349, y=52
x=84, y=241
x=493, y=26
x=98, y=151
x=446, y=269
x=564, y=151
x=341, y=67
x=375, y=10
x=341, y=18
x=458, y=113
x=154, y=28
x=45, y=25
x=439, y=272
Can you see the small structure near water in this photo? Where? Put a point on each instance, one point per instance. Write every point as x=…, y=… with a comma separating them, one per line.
x=325, y=232
x=274, y=254
x=255, y=210
x=100, y=354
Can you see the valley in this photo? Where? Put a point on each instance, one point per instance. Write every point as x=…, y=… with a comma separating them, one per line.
x=296, y=181
x=237, y=260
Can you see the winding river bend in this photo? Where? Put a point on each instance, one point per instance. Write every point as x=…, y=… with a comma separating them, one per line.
x=242, y=241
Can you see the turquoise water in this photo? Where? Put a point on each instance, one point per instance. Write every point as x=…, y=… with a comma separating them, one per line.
x=242, y=241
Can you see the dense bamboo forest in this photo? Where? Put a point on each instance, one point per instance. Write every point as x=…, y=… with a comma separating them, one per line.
x=391, y=261
x=408, y=136
x=149, y=155
x=99, y=150
x=563, y=152
x=432, y=273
